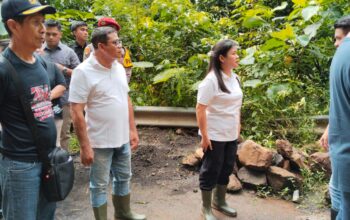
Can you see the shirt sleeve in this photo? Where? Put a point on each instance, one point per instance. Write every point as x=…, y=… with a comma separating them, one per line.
x=206, y=91
x=74, y=59
x=59, y=78
x=79, y=87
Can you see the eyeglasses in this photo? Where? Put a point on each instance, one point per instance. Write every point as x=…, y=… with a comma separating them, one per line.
x=117, y=42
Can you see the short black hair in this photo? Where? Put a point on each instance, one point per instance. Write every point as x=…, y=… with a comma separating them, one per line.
x=344, y=24
x=53, y=23
x=76, y=24
x=100, y=35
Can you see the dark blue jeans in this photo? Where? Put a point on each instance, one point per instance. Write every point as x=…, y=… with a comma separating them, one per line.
x=217, y=164
x=20, y=187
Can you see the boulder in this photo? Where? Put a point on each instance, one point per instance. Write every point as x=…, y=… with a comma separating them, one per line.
x=190, y=160
x=199, y=153
x=254, y=156
x=321, y=162
x=297, y=158
x=279, y=178
x=234, y=184
x=252, y=178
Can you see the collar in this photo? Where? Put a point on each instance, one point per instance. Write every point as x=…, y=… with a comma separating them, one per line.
x=59, y=47
x=76, y=44
x=226, y=77
x=94, y=62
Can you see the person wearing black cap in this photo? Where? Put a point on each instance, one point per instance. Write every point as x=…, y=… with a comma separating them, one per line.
x=20, y=167
x=81, y=35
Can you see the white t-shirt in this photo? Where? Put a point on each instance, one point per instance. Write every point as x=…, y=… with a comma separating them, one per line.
x=105, y=93
x=223, y=109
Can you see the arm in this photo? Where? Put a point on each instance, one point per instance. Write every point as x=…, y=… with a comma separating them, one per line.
x=86, y=152
x=324, y=139
x=134, y=137
x=202, y=124
x=57, y=92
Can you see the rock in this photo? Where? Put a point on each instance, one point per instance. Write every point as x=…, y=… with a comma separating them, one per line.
x=199, y=153
x=279, y=178
x=234, y=184
x=179, y=131
x=320, y=162
x=252, y=178
x=190, y=160
x=254, y=156
x=297, y=158
x=296, y=197
x=286, y=165
x=277, y=160
x=284, y=148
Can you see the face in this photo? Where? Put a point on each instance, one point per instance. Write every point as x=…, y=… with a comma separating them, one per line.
x=338, y=37
x=231, y=60
x=81, y=33
x=113, y=47
x=52, y=36
x=31, y=33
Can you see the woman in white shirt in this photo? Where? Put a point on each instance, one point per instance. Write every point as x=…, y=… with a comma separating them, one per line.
x=218, y=110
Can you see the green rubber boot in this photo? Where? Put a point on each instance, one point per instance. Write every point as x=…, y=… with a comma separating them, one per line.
x=100, y=212
x=206, y=208
x=122, y=209
x=219, y=201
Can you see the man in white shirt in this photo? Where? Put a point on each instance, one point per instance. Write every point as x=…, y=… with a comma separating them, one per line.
x=99, y=86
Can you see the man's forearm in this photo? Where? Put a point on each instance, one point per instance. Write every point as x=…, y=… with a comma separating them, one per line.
x=80, y=129
x=57, y=92
x=132, y=124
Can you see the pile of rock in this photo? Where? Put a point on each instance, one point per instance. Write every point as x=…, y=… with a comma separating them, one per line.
x=260, y=166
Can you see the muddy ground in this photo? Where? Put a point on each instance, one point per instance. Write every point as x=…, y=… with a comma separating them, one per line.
x=165, y=190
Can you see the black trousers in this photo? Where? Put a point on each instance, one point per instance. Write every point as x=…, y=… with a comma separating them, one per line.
x=217, y=164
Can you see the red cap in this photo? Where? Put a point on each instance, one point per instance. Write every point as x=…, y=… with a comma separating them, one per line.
x=108, y=22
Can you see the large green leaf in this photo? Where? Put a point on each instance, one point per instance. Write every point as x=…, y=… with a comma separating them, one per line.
x=167, y=74
x=308, y=12
x=281, y=7
x=278, y=90
x=303, y=40
x=311, y=30
x=272, y=44
x=252, y=83
x=284, y=34
x=254, y=21
x=143, y=64
x=249, y=59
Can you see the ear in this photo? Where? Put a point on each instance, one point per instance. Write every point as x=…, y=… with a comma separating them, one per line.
x=221, y=58
x=12, y=25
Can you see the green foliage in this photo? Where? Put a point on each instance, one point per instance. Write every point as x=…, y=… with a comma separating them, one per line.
x=286, y=52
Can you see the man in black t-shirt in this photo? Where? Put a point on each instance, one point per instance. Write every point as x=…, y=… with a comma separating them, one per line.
x=20, y=167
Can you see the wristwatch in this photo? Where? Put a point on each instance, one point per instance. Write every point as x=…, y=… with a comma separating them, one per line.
x=64, y=71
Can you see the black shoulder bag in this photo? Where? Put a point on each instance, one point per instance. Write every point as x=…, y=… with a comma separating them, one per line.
x=58, y=167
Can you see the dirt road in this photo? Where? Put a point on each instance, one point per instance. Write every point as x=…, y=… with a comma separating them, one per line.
x=164, y=190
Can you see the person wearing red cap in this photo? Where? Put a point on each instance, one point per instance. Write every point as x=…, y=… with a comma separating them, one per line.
x=124, y=59
x=20, y=164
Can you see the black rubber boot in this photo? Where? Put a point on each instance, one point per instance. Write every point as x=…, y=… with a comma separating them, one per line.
x=334, y=214
x=219, y=201
x=206, y=208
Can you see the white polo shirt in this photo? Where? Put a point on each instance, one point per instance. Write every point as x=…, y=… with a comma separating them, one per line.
x=223, y=109
x=105, y=93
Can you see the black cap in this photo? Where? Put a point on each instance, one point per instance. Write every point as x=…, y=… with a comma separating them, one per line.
x=14, y=8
